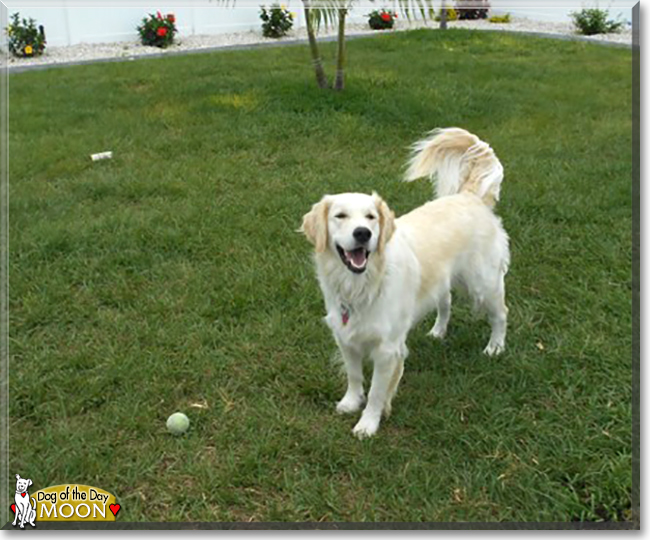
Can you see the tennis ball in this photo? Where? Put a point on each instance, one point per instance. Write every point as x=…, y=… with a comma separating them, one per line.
x=178, y=423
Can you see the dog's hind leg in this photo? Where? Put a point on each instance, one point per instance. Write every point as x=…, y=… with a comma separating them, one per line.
x=354, y=396
x=442, y=320
x=394, y=383
x=498, y=315
x=32, y=513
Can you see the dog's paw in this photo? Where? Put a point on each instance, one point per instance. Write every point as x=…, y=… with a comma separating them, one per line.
x=367, y=426
x=388, y=409
x=438, y=331
x=494, y=349
x=349, y=404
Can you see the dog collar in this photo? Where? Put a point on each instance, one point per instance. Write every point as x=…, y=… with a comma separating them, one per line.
x=21, y=494
x=345, y=314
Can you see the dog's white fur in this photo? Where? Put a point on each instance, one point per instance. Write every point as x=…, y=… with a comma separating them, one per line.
x=413, y=263
x=24, y=510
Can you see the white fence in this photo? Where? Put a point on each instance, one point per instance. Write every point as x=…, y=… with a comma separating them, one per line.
x=68, y=22
x=72, y=24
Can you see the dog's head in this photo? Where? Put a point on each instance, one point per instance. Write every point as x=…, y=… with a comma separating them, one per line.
x=354, y=225
x=22, y=484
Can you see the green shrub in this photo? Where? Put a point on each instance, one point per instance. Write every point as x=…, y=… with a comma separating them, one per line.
x=158, y=31
x=452, y=15
x=472, y=9
x=276, y=21
x=23, y=38
x=590, y=21
x=382, y=19
x=500, y=18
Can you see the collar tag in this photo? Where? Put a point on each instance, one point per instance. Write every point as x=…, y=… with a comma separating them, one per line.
x=345, y=314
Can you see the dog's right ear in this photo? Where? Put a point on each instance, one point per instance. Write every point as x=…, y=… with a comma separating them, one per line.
x=314, y=224
x=17, y=477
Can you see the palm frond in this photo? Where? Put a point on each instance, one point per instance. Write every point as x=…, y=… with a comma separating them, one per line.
x=326, y=12
x=411, y=9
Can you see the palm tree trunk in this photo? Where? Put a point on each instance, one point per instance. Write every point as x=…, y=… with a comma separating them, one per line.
x=339, y=83
x=321, y=78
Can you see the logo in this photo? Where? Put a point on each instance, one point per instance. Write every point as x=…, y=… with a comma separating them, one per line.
x=25, y=512
x=67, y=502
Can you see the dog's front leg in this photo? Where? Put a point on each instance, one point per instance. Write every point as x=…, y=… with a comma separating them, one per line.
x=15, y=517
x=387, y=363
x=354, y=396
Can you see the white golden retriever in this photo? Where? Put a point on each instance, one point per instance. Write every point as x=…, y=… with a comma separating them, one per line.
x=380, y=275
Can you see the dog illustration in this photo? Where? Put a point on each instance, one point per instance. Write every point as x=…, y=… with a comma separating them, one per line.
x=24, y=509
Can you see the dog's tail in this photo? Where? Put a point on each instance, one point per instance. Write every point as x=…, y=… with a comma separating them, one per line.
x=457, y=161
x=34, y=501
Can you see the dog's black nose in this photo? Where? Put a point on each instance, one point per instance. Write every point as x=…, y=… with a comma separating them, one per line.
x=362, y=234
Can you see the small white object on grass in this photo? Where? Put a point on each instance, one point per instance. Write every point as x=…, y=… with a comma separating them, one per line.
x=101, y=155
x=178, y=423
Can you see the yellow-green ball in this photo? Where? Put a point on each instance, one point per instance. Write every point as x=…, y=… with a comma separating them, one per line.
x=178, y=423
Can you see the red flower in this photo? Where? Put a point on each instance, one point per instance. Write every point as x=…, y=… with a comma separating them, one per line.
x=162, y=31
x=395, y=15
x=171, y=18
x=385, y=16
x=159, y=15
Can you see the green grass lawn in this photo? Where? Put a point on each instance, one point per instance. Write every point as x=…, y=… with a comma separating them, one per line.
x=172, y=277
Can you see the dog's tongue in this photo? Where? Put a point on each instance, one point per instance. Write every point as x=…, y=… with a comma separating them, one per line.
x=357, y=257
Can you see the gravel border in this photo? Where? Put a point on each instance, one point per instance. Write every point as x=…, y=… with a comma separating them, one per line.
x=130, y=50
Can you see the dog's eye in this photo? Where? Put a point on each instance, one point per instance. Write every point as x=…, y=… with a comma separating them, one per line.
x=341, y=216
x=370, y=217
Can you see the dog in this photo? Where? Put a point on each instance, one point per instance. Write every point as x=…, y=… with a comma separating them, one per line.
x=24, y=510
x=380, y=275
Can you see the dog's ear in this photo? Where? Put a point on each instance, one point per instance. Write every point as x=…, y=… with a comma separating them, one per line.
x=314, y=224
x=386, y=222
x=17, y=477
x=29, y=482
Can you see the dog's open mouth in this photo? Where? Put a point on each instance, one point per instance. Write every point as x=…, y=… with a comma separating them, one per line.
x=356, y=260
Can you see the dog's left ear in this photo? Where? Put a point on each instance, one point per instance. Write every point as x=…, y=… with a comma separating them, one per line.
x=386, y=222
x=29, y=482
x=314, y=224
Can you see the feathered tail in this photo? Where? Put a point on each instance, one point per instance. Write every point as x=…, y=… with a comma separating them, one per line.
x=456, y=161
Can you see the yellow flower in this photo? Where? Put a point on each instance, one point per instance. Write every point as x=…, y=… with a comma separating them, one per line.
x=283, y=7
x=29, y=50
x=292, y=15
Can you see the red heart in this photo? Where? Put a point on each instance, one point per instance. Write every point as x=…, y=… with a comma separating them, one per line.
x=23, y=495
x=13, y=508
x=115, y=508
